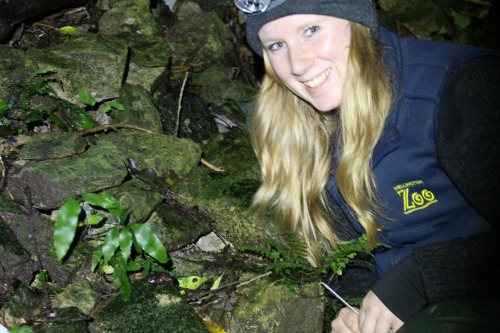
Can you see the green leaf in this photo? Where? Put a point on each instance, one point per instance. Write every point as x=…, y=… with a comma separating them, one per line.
x=106, y=108
x=119, y=213
x=3, y=106
x=460, y=20
x=116, y=105
x=120, y=277
x=96, y=257
x=42, y=278
x=133, y=266
x=149, y=242
x=108, y=269
x=42, y=71
x=20, y=329
x=65, y=228
x=86, y=98
x=95, y=219
x=217, y=282
x=126, y=241
x=147, y=267
x=192, y=282
x=68, y=30
x=104, y=200
x=109, y=200
x=111, y=243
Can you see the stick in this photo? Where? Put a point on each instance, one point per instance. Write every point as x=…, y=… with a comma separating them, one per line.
x=179, y=106
x=102, y=128
x=211, y=166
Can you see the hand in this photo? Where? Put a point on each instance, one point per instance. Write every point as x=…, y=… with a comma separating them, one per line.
x=374, y=317
x=346, y=322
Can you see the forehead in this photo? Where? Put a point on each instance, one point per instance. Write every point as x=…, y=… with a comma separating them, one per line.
x=294, y=23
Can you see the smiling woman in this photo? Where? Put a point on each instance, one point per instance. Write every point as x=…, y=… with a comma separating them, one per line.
x=310, y=60
x=360, y=131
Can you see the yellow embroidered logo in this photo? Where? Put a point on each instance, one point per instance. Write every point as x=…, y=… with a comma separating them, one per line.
x=414, y=200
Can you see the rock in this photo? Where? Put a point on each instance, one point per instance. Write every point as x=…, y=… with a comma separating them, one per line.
x=198, y=39
x=140, y=199
x=176, y=229
x=15, y=11
x=16, y=261
x=53, y=146
x=23, y=304
x=15, y=67
x=132, y=21
x=151, y=308
x=52, y=182
x=218, y=6
x=235, y=98
x=140, y=109
x=79, y=295
x=65, y=320
x=228, y=196
x=211, y=243
x=94, y=63
x=29, y=245
x=269, y=307
x=162, y=153
x=195, y=121
x=17, y=251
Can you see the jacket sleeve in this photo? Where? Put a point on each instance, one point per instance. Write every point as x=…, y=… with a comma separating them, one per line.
x=468, y=140
x=468, y=147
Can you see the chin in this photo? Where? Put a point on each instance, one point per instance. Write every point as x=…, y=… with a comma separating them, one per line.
x=325, y=107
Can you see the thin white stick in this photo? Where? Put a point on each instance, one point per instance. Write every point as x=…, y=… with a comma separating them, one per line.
x=356, y=311
x=179, y=106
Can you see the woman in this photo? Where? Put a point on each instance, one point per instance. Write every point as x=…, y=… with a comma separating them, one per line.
x=359, y=131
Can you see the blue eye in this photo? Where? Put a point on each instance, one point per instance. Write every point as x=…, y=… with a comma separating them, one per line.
x=275, y=46
x=311, y=30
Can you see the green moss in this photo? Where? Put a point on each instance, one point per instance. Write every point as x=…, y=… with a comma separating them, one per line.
x=7, y=206
x=69, y=320
x=9, y=241
x=150, y=307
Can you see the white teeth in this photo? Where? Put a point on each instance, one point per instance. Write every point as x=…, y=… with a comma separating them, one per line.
x=319, y=79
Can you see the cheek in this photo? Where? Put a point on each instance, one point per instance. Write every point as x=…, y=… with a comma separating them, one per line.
x=280, y=68
x=330, y=49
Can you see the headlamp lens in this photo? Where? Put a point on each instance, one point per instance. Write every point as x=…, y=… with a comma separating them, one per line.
x=252, y=6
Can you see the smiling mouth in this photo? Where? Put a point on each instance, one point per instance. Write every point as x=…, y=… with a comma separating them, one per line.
x=319, y=79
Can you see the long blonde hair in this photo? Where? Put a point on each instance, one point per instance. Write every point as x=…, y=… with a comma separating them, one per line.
x=294, y=146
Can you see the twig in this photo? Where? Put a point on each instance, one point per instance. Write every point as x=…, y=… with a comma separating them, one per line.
x=45, y=26
x=211, y=166
x=179, y=106
x=239, y=283
x=244, y=282
x=112, y=127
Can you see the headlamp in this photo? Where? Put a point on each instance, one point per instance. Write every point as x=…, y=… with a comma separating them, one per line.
x=256, y=6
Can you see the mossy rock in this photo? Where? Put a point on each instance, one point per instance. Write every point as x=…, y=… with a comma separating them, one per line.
x=151, y=308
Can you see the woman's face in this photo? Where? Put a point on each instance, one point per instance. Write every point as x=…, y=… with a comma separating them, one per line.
x=309, y=54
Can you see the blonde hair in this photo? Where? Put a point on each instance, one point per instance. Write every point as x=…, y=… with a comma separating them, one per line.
x=294, y=146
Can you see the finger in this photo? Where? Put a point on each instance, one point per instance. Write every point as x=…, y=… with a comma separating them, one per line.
x=346, y=322
x=383, y=326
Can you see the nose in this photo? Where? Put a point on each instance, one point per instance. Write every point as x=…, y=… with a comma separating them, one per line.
x=300, y=59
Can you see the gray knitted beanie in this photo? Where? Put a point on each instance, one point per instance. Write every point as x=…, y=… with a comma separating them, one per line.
x=359, y=11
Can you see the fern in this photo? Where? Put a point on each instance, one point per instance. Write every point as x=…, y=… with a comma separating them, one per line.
x=287, y=259
x=337, y=260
